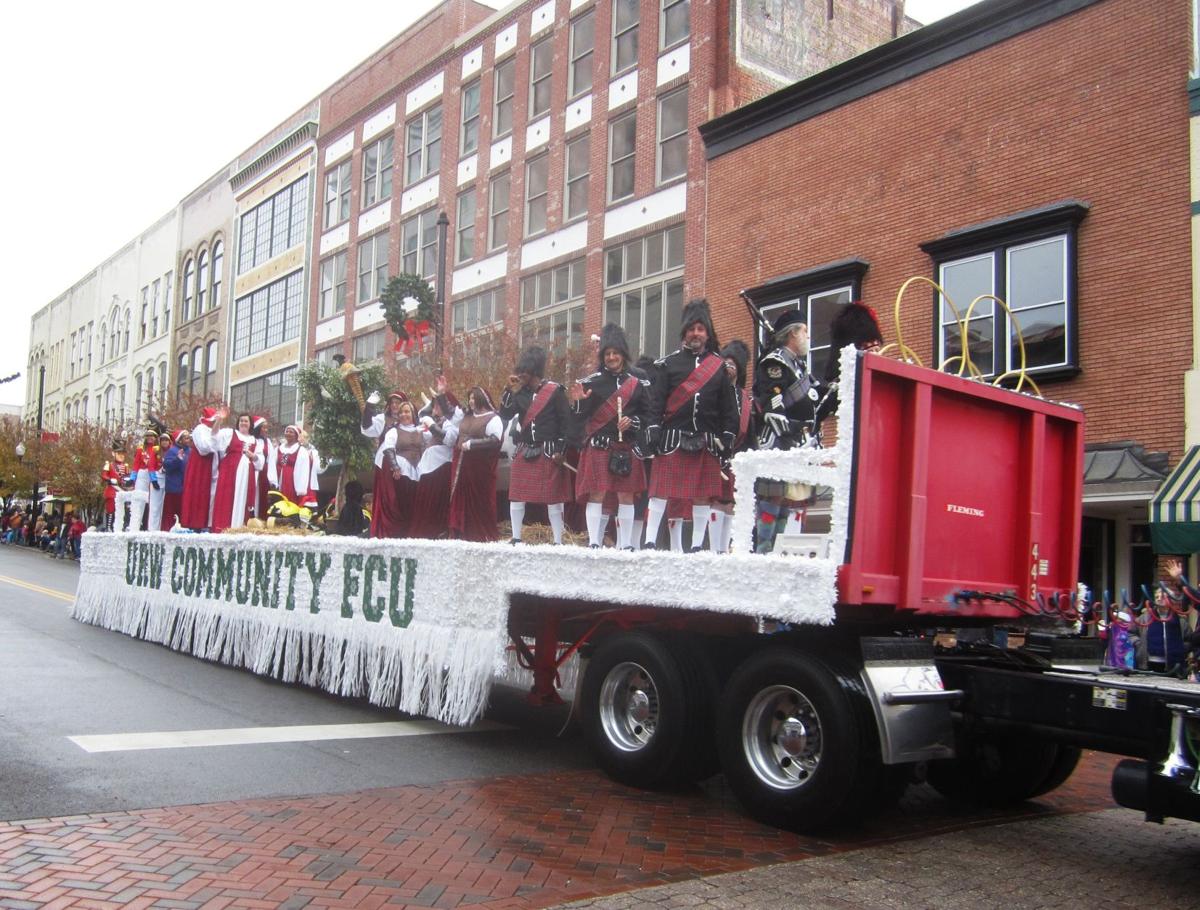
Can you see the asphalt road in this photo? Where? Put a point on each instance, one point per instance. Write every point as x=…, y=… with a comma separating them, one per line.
x=60, y=678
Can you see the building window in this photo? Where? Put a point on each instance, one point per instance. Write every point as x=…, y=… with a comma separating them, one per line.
x=268, y=316
x=498, y=210
x=424, y=146
x=162, y=384
x=469, y=133
x=337, y=194
x=128, y=328
x=672, y=135
x=325, y=355
x=418, y=245
x=189, y=289
x=553, y=287
x=674, y=24
x=575, y=198
x=279, y=223
x=168, y=293
x=273, y=396
x=218, y=272
x=502, y=105
x=622, y=145
x=370, y=346
x=625, y=15
x=479, y=311
x=537, y=177
x=583, y=42
x=154, y=293
x=377, y=172
x=372, y=267
x=643, y=281
x=541, y=61
x=333, y=285
x=1028, y=261
x=464, y=227
x=210, y=368
x=818, y=293
x=197, y=378
x=144, y=325
x=552, y=306
x=137, y=392
x=202, y=282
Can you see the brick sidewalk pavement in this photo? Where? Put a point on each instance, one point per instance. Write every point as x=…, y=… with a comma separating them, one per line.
x=527, y=842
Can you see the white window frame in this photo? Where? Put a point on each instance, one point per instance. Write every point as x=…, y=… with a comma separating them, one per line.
x=662, y=140
x=619, y=34
x=377, y=176
x=665, y=7
x=337, y=195
x=422, y=148
x=570, y=154
x=541, y=72
x=372, y=267
x=577, y=57
x=505, y=71
x=537, y=200
x=469, y=122
x=332, y=293
x=629, y=158
x=498, y=216
x=464, y=226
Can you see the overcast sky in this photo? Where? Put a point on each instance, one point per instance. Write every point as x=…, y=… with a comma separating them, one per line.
x=117, y=110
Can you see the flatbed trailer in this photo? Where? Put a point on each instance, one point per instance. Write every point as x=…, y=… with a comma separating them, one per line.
x=815, y=683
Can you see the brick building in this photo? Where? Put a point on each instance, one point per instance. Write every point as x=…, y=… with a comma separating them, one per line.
x=558, y=138
x=1036, y=150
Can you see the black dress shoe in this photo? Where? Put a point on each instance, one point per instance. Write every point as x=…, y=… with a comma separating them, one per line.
x=649, y=545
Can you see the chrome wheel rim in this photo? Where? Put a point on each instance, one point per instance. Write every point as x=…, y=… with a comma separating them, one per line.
x=629, y=706
x=781, y=734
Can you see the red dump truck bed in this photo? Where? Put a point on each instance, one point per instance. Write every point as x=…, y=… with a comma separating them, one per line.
x=959, y=485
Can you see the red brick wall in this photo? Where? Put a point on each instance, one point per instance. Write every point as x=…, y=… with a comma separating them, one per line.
x=1092, y=106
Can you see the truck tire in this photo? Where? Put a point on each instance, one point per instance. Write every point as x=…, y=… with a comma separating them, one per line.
x=996, y=770
x=1062, y=768
x=797, y=742
x=647, y=710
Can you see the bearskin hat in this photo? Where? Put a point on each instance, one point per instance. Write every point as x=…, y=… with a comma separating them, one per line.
x=612, y=337
x=855, y=324
x=697, y=311
x=737, y=351
x=532, y=361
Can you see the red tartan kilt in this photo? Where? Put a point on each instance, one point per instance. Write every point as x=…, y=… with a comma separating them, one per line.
x=686, y=475
x=538, y=481
x=595, y=477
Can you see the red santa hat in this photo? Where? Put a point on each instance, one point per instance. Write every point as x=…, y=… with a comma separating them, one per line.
x=256, y=422
x=309, y=501
x=295, y=429
x=398, y=394
x=208, y=416
x=175, y=436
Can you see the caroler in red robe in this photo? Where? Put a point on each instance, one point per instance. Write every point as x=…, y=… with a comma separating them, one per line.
x=431, y=499
x=292, y=469
x=199, y=477
x=113, y=477
x=241, y=455
x=387, y=509
x=264, y=478
x=473, y=472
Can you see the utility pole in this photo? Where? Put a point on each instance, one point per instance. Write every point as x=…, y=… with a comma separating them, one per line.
x=41, y=400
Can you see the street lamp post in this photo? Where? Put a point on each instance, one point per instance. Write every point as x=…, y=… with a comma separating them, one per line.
x=442, y=224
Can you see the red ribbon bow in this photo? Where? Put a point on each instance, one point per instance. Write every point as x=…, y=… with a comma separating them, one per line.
x=415, y=333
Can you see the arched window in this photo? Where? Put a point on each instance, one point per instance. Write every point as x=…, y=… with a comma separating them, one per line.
x=197, y=369
x=210, y=363
x=189, y=288
x=162, y=381
x=201, y=282
x=218, y=269
x=150, y=388
x=128, y=328
x=182, y=379
x=103, y=340
x=137, y=392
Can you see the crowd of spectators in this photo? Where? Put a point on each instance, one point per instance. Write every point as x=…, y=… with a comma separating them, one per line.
x=56, y=535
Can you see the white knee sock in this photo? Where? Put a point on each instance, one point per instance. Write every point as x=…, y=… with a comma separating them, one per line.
x=675, y=526
x=516, y=512
x=727, y=532
x=716, y=531
x=625, y=525
x=593, y=515
x=655, y=509
x=639, y=525
x=555, y=512
x=701, y=515
x=605, y=518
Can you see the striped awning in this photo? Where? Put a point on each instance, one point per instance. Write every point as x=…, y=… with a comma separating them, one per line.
x=1175, y=508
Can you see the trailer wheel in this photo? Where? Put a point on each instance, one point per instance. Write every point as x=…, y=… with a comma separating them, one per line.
x=1062, y=768
x=646, y=711
x=995, y=770
x=794, y=734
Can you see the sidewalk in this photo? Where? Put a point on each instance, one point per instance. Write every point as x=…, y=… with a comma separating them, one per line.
x=529, y=842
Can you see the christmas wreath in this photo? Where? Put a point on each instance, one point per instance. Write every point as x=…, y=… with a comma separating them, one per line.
x=408, y=307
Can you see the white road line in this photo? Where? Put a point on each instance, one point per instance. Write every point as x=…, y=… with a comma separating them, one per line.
x=243, y=736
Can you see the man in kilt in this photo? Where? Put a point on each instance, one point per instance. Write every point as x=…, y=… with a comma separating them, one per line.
x=608, y=404
x=691, y=422
x=789, y=398
x=542, y=412
x=720, y=527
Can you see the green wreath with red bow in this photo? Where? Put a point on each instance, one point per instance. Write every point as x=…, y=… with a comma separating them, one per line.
x=408, y=307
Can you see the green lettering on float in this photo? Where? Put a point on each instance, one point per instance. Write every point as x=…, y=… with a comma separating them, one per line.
x=226, y=561
x=158, y=553
x=275, y=582
x=241, y=587
x=317, y=565
x=176, y=559
x=372, y=607
x=190, y=559
x=262, y=579
x=401, y=618
x=293, y=559
x=351, y=567
x=130, y=563
x=204, y=570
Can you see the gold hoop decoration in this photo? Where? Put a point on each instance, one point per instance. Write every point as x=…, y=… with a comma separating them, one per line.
x=1021, y=374
x=907, y=353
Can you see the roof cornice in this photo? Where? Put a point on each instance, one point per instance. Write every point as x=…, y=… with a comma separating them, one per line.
x=306, y=132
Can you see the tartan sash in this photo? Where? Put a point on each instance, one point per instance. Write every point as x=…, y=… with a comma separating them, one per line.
x=607, y=411
x=704, y=371
x=540, y=400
